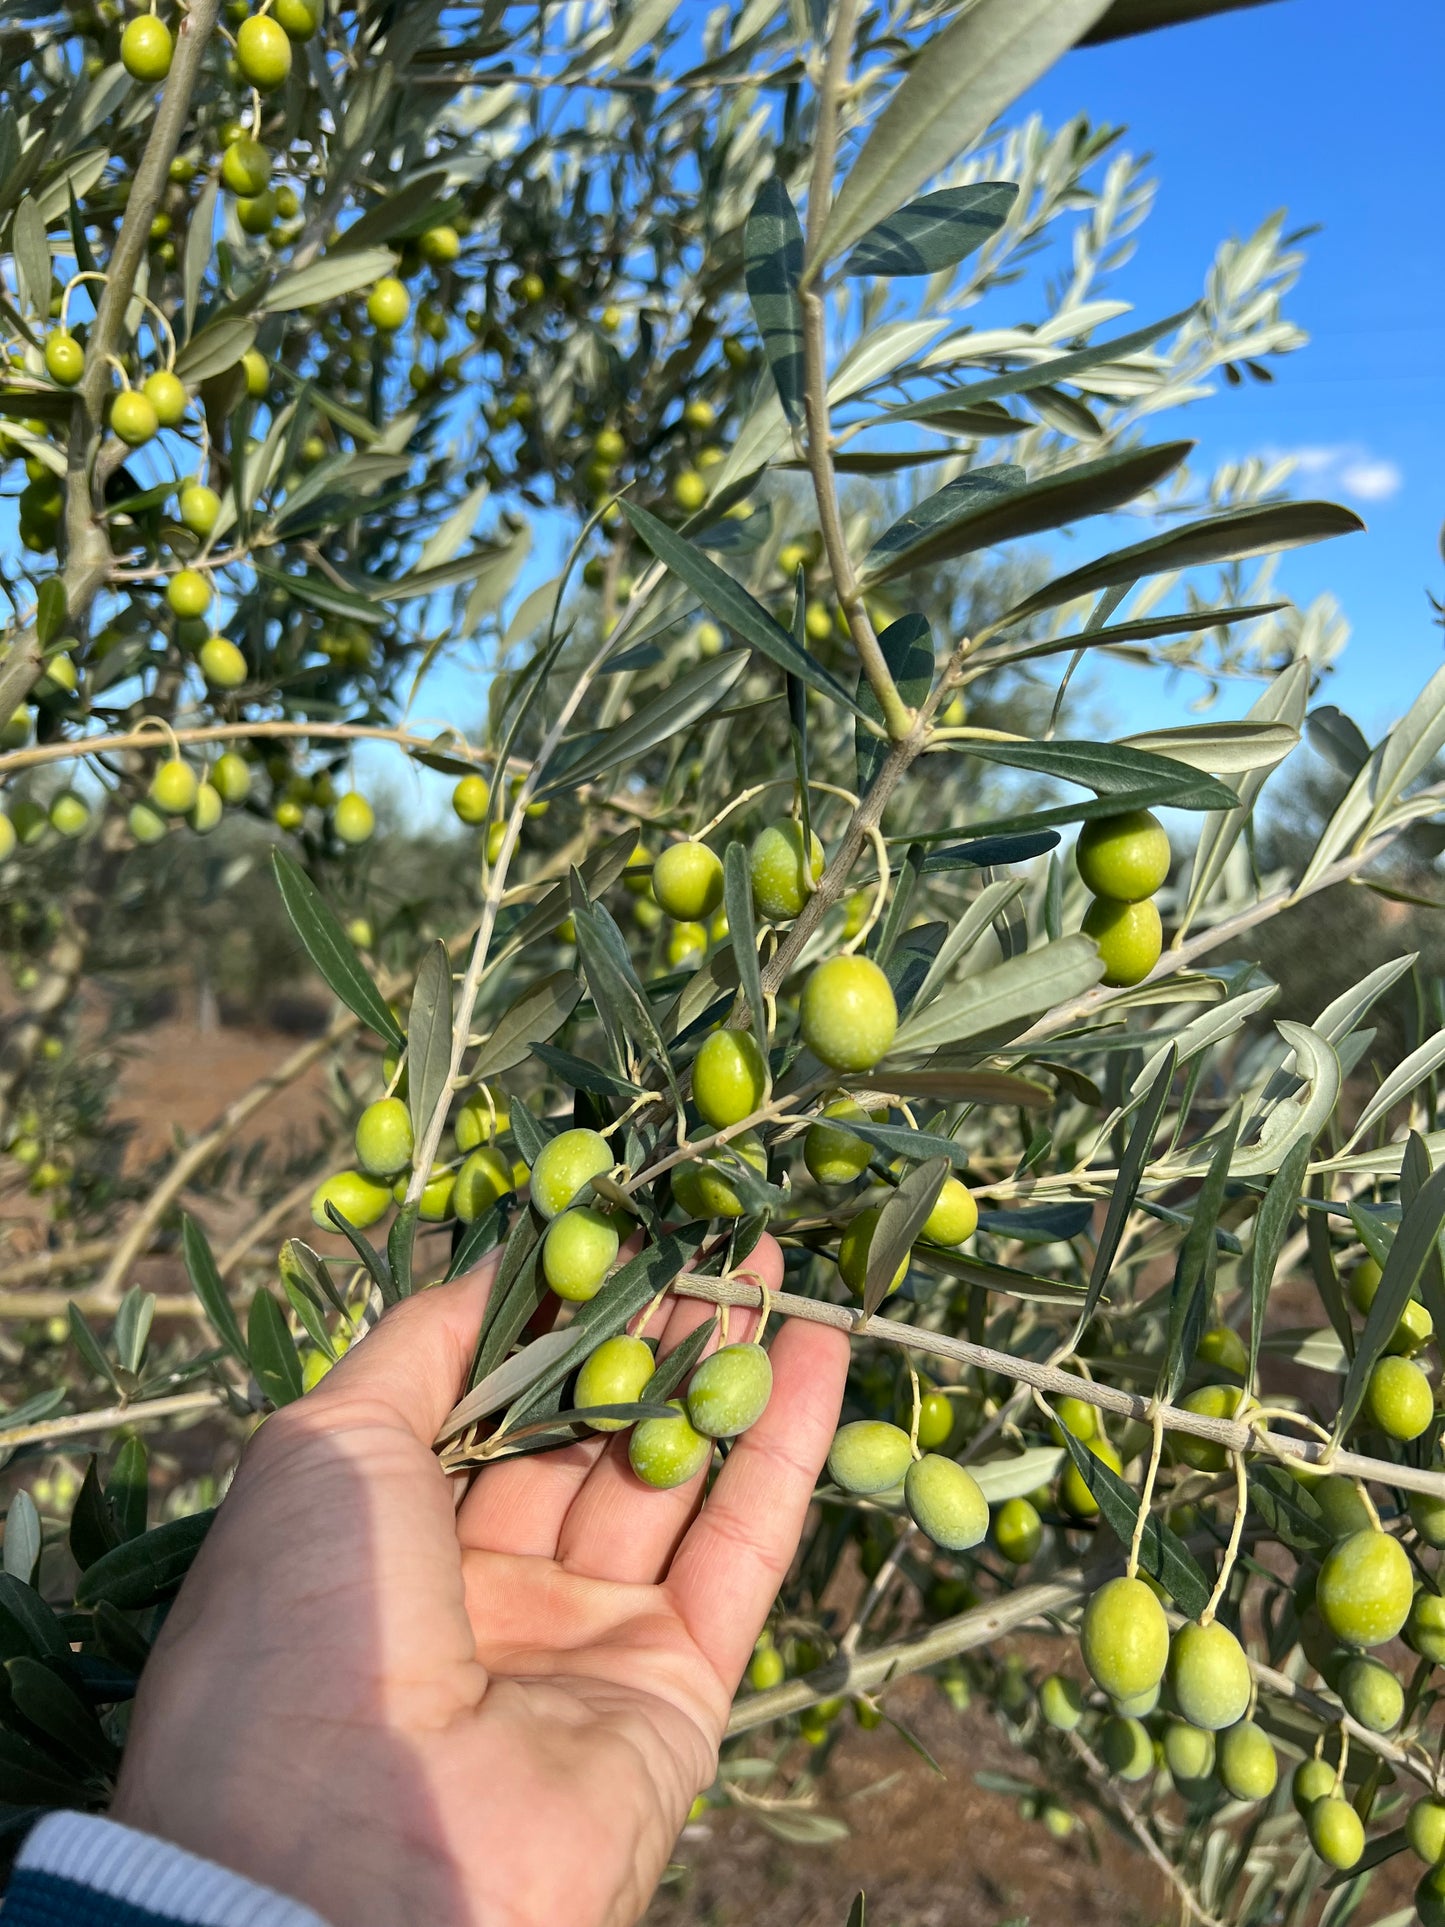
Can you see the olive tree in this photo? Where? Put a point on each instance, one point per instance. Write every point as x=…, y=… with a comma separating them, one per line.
x=643, y=365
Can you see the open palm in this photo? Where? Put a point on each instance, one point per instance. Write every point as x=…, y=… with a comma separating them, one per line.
x=398, y=1710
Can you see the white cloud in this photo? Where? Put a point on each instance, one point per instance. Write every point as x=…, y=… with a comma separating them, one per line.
x=1348, y=467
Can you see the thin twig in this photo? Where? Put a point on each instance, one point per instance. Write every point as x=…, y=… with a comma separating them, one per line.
x=1135, y=1822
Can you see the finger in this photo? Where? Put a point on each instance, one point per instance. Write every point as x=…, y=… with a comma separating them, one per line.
x=619, y=1528
x=519, y=1505
x=409, y=1370
x=729, y=1567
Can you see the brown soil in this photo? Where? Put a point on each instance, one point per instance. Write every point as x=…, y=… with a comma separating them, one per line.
x=929, y=1852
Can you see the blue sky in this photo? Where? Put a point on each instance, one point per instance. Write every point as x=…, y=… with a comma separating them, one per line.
x=1330, y=110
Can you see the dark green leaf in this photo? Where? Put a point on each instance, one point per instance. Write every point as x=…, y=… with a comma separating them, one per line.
x=30, y=1778
x=50, y=610
x=895, y=922
x=1040, y=1224
x=899, y=1141
x=1111, y=770
x=478, y=1239
x=1146, y=628
x=1232, y=536
x=1162, y=1553
x=415, y=203
x=207, y=1285
x=517, y=1292
x=27, y=1625
x=1271, y=1225
x=673, y=1369
x=340, y=271
x=144, y=1571
x=273, y=1354
x=89, y=1347
x=1322, y=1264
x=1007, y=1279
x=1414, y=1242
x=429, y=1037
x=332, y=951
x=907, y=647
x=318, y=591
x=93, y=1530
x=934, y=232
x=127, y=1490
x=625, y=1293
x=46, y=1702
x=616, y=990
x=1288, y=1509
x=1126, y=1186
x=674, y=709
x=377, y=1268
x=738, y=906
x=991, y=852
x=980, y=488
x=898, y=1226
x=1051, y=502
x=729, y=601
x=858, y=1912
x=1191, y=1296
x=400, y=1241
x=773, y=267
x=1124, y=17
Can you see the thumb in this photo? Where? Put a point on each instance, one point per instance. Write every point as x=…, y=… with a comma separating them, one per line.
x=409, y=1370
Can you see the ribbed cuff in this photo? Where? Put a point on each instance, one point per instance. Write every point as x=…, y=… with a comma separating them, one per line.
x=77, y=1870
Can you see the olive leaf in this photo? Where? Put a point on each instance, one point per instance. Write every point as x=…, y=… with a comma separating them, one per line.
x=537, y=1014
x=1411, y=1252
x=773, y=268
x=738, y=908
x=1126, y=1186
x=273, y=1354
x=1191, y=1296
x=1162, y=1553
x=332, y=951
x=1271, y=1224
x=907, y=647
x=1012, y=991
x=206, y=1283
x=429, y=1037
x=897, y=1229
x=936, y=231
x=726, y=598
x=144, y=1571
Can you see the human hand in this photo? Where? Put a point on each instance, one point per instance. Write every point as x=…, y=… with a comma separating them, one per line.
x=394, y=1710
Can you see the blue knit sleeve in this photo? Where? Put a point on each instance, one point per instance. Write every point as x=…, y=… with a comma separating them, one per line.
x=76, y=1870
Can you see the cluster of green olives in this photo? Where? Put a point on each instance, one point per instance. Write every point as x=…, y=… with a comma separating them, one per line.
x=944, y=1500
x=460, y=1187
x=1123, y=860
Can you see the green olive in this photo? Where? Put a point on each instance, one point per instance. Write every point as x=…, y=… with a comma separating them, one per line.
x=615, y=1374
x=1018, y=1531
x=1188, y=1753
x=1371, y=1693
x=687, y=880
x=869, y=1456
x=848, y=1014
x=564, y=1165
x=776, y=869
x=579, y=1250
x=1425, y=1830
x=954, y=1217
x=1313, y=1780
x=1245, y=1761
x=729, y=1392
x=729, y=1077
x=854, y=1247
x=1210, y=1401
x=1430, y=1898
x=667, y=1452
x=1074, y=1494
x=1365, y=1588
x=1223, y=1346
x=1336, y=1831
x=360, y=1200
x=1209, y=1674
x=703, y=1186
x=353, y=818
x=1129, y=936
x=1398, y=1398
x=1125, y=856
x=384, y=1138
x=1061, y=1704
x=485, y=1176
x=1425, y=1626
x=945, y=1501
x=1126, y=1749
x=1124, y=1638
x=835, y=1156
